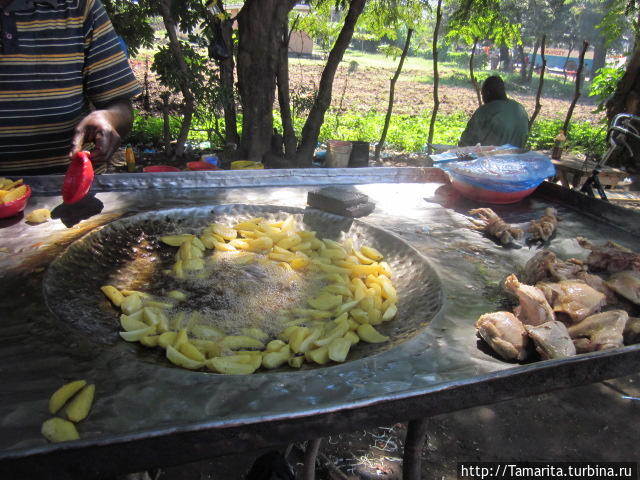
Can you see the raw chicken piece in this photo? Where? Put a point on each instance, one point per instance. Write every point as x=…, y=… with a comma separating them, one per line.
x=534, y=308
x=492, y=224
x=573, y=297
x=545, y=266
x=627, y=284
x=610, y=257
x=598, y=283
x=552, y=340
x=632, y=331
x=544, y=227
x=600, y=331
x=505, y=334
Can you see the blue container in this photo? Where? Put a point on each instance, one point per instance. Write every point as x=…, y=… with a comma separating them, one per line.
x=212, y=159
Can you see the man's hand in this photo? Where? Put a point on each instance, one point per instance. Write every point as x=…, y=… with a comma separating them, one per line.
x=104, y=128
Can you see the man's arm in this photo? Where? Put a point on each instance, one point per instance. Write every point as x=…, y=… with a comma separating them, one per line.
x=105, y=128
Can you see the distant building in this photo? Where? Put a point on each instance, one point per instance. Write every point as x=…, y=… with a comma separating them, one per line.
x=300, y=42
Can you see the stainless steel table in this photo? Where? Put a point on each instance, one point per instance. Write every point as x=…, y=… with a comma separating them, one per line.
x=148, y=415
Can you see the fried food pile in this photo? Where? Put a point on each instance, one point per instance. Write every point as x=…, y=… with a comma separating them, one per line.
x=489, y=222
x=271, y=294
x=495, y=226
x=569, y=307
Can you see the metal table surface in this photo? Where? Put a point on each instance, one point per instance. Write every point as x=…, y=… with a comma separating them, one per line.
x=153, y=415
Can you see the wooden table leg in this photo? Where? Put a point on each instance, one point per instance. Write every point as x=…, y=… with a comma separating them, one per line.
x=414, y=442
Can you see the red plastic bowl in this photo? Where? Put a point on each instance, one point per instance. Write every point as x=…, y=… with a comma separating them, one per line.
x=489, y=196
x=13, y=208
x=160, y=168
x=199, y=166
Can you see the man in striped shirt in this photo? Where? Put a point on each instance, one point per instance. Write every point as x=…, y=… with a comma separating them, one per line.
x=64, y=82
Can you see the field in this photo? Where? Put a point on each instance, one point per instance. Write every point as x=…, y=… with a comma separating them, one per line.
x=360, y=98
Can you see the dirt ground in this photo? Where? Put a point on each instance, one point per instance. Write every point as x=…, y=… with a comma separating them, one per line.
x=368, y=89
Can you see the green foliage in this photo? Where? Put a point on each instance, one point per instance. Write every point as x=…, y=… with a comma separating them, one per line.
x=148, y=130
x=604, y=84
x=131, y=21
x=461, y=59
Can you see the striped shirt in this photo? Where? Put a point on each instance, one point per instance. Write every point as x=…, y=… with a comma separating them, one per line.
x=57, y=58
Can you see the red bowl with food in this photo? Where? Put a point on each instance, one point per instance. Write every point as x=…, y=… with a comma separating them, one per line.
x=160, y=168
x=200, y=166
x=14, y=207
x=484, y=195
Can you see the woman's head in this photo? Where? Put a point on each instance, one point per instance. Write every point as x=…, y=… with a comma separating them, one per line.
x=493, y=89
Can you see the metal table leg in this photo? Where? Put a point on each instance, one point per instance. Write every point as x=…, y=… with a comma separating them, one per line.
x=414, y=442
x=310, y=455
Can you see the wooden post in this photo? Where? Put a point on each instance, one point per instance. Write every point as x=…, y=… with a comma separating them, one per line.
x=392, y=89
x=540, y=83
x=474, y=82
x=567, y=120
x=436, y=100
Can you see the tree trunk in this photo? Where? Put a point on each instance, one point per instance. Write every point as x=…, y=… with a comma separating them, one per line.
x=289, y=135
x=474, y=82
x=261, y=26
x=185, y=75
x=226, y=68
x=392, y=88
x=505, y=58
x=626, y=98
x=436, y=78
x=523, y=63
x=599, y=55
x=532, y=64
x=567, y=120
x=311, y=128
x=540, y=83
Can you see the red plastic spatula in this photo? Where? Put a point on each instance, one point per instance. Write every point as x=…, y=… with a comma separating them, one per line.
x=78, y=179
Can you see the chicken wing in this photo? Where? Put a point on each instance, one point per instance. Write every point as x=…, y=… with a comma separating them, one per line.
x=505, y=334
x=573, y=297
x=551, y=339
x=600, y=331
x=544, y=265
x=626, y=284
x=610, y=257
x=534, y=308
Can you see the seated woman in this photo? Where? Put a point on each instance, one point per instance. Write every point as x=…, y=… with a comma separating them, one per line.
x=499, y=121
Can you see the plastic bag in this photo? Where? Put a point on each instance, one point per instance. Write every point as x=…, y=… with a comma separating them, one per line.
x=503, y=173
x=218, y=49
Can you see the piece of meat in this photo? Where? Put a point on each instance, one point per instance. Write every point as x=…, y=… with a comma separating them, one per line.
x=598, y=283
x=551, y=339
x=631, y=331
x=626, y=284
x=543, y=228
x=493, y=225
x=505, y=334
x=610, y=257
x=573, y=297
x=600, y=331
x=534, y=308
x=544, y=265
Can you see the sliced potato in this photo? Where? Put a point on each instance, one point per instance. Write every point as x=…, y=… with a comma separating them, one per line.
x=181, y=360
x=235, y=342
x=15, y=194
x=229, y=366
x=59, y=430
x=136, y=335
x=113, y=294
x=369, y=334
x=64, y=393
x=371, y=253
x=40, y=215
x=79, y=407
x=191, y=351
x=176, y=240
x=338, y=349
